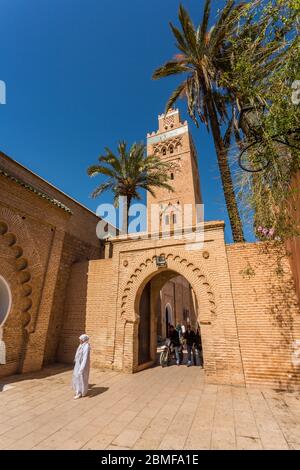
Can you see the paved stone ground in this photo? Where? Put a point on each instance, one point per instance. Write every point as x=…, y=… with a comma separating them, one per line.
x=170, y=408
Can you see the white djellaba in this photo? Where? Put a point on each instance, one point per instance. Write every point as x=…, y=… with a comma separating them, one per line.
x=80, y=381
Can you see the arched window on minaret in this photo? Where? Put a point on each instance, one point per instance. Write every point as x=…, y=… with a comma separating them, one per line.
x=172, y=176
x=164, y=151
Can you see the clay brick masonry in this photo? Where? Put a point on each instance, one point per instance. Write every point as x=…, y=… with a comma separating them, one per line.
x=43, y=233
x=63, y=281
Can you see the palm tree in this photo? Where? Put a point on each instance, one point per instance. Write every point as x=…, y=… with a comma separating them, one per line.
x=127, y=173
x=203, y=57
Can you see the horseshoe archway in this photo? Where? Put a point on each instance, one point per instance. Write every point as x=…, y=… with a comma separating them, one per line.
x=146, y=270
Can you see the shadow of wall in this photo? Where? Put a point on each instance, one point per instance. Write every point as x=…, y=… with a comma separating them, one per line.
x=293, y=245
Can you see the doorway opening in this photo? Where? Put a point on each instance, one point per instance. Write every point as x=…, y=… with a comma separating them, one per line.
x=166, y=300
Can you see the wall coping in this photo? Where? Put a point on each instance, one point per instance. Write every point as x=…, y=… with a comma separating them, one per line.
x=51, y=186
x=142, y=236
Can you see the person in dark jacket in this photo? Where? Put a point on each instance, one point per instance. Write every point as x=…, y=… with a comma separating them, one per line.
x=190, y=339
x=198, y=346
x=175, y=341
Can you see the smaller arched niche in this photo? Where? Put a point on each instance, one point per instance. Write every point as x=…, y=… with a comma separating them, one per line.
x=5, y=300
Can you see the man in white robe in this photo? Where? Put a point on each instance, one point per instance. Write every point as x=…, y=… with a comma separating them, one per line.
x=81, y=370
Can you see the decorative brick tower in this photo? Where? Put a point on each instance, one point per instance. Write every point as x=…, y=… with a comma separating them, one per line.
x=173, y=143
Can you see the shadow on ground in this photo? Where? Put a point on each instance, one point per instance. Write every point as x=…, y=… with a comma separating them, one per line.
x=94, y=391
x=47, y=371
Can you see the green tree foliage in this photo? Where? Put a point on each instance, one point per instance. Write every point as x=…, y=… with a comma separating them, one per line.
x=265, y=65
x=128, y=172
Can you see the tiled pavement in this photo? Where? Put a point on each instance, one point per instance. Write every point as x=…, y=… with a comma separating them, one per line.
x=170, y=408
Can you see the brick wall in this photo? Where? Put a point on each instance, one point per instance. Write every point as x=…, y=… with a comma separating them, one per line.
x=247, y=309
x=82, y=224
x=39, y=242
x=267, y=313
x=111, y=305
x=25, y=245
x=91, y=309
x=74, y=251
x=74, y=321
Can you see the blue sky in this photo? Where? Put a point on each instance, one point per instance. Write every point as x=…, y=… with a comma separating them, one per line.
x=78, y=77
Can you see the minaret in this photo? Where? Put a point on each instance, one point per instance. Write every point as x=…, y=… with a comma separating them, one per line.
x=173, y=143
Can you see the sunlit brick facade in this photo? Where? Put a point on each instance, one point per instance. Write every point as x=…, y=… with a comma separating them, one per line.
x=57, y=281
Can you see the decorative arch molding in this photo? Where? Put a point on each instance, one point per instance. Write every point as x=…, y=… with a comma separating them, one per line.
x=216, y=316
x=196, y=274
x=19, y=227
x=147, y=269
x=164, y=148
x=21, y=271
x=25, y=263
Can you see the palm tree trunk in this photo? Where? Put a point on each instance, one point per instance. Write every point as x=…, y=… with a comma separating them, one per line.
x=125, y=205
x=230, y=199
x=129, y=199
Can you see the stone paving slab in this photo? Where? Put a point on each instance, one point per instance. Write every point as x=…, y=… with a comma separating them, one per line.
x=169, y=408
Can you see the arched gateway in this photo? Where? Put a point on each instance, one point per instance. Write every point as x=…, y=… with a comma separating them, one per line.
x=235, y=311
x=148, y=273
x=57, y=281
x=207, y=274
